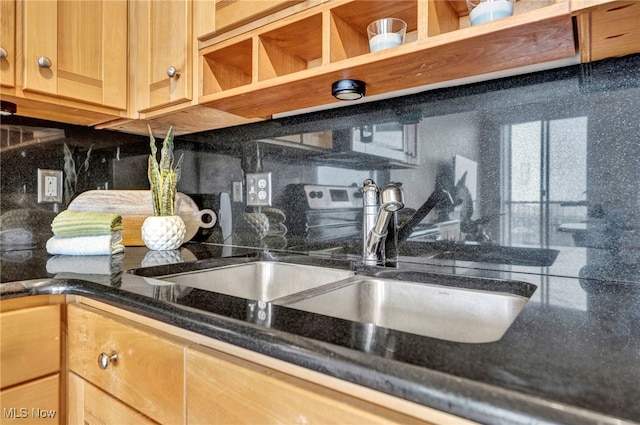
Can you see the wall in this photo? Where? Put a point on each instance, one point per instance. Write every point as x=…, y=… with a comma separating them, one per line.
x=560, y=186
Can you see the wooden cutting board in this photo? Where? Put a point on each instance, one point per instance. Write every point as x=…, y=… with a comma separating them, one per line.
x=135, y=205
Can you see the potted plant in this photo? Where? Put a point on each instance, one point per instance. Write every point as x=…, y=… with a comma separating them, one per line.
x=164, y=230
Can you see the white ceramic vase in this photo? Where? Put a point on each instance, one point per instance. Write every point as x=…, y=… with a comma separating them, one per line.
x=162, y=233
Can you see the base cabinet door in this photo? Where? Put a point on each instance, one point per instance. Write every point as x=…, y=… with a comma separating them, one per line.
x=87, y=404
x=137, y=365
x=29, y=344
x=35, y=402
x=222, y=389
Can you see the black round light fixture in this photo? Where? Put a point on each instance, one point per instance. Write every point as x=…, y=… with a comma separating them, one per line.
x=7, y=108
x=348, y=89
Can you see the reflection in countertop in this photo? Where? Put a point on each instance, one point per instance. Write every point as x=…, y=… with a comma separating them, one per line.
x=576, y=344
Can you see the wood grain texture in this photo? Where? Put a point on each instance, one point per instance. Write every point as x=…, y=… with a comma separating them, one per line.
x=373, y=397
x=89, y=58
x=8, y=37
x=537, y=36
x=160, y=36
x=230, y=14
x=10, y=304
x=87, y=404
x=29, y=344
x=148, y=374
x=184, y=119
x=223, y=389
x=615, y=30
x=36, y=402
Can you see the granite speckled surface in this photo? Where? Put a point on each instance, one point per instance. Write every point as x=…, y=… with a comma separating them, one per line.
x=554, y=365
x=558, y=167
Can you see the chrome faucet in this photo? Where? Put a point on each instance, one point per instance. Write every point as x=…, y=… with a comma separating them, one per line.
x=379, y=206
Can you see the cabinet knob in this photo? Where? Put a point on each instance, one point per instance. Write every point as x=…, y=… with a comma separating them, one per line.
x=104, y=360
x=44, y=62
x=173, y=72
x=3, y=53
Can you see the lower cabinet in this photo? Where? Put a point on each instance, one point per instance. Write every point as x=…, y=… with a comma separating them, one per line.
x=36, y=401
x=223, y=389
x=124, y=369
x=30, y=359
x=135, y=364
x=90, y=405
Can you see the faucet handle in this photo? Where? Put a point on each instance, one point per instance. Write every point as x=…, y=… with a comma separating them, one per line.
x=370, y=193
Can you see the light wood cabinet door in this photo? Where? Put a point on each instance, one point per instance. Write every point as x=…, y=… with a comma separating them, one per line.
x=87, y=404
x=231, y=14
x=8, y=43
x=162, y=47
x=223, y=389
x=33, y=402
x=29, y=344
x=144, y=369
x=77, y=50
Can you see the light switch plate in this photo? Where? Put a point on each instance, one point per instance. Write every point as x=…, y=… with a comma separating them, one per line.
x=49, y=186
x=258, y=189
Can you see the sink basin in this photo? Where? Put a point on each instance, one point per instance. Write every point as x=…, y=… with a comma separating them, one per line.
x=259, y=280
x=437, y=311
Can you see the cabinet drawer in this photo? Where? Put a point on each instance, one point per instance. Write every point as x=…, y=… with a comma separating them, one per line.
x=33, y=402
x=87, y=404
x=29, y=344
x=147, y=372
x=223, y=389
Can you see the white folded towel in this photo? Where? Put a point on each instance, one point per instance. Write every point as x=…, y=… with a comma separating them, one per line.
x=86, y=245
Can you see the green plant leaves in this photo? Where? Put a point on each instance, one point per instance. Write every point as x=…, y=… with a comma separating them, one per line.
x=162, y=176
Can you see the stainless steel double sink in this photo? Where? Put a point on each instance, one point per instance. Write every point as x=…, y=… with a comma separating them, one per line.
x=448, y=307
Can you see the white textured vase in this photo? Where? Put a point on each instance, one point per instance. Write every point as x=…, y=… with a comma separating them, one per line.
x=163, y=233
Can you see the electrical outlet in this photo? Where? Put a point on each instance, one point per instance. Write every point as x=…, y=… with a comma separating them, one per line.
x=237, y=192
x=49, y=186
x=258, y=189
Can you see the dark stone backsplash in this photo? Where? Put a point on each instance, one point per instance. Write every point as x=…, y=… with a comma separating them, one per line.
x=557, y=156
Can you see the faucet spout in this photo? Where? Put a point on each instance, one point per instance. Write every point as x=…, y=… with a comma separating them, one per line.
x=375, y=224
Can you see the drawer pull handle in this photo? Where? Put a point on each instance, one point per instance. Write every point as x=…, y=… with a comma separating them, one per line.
x=173, y=72
x=3, y=53
x=44, y=62
x=104, y=360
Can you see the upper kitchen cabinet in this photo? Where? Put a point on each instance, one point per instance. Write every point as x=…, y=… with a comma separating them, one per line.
x=65, y=60
x=162, y=53
x=7, y=43
x=77, y=50
x=231, y=14
x=290, y=64
x=607, y=29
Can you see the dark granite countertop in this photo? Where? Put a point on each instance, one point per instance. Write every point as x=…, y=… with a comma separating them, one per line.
x=571, y=357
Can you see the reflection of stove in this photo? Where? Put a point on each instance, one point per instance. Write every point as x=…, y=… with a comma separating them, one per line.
x=443, y=231
x=321, y=213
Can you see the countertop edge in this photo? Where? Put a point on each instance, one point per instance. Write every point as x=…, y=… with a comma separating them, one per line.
x=458, y=396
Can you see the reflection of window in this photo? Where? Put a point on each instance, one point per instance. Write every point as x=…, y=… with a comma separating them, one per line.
x=544, y=171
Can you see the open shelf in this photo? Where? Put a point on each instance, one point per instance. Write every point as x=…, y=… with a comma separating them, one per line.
x=289, y=64
x=227, y=68
x=452, y=15
x=291, y=48
x=348, y=36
